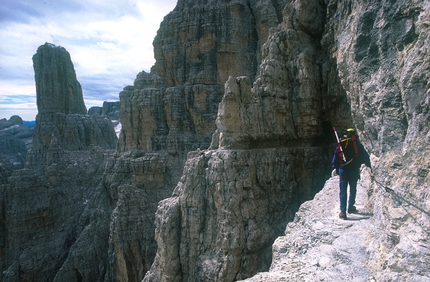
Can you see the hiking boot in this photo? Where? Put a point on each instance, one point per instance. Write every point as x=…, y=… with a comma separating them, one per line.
x=342, y=215
x=352, y=209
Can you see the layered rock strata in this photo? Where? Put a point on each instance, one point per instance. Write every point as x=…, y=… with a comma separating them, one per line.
x=205, y=42
x=56, y=78
x=61, y=122
x=57, y=217
x=135, y=182
x=269, y=155
x=384, y=61
x=198, y=46
x=309, y=76
x=161, y=122
x=227, y=209
x=172, y=109
x=155, y=117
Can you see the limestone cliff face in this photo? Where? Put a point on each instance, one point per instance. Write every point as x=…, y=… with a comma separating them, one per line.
x=383, y=58
x=198, y=46
x=205, y=42
x=269, y=155
x=285, y=102
x=317, y=246
x=171, y=110
x=162, y=119
x=343, y=63
x=228, y=208
x=381, y=52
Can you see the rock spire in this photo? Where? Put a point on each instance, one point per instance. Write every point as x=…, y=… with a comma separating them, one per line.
x=57, y=88
x=62, y=118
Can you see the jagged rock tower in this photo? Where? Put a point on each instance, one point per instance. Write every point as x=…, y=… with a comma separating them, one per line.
x=61, y=122
x=49, y=206
x=57, y=88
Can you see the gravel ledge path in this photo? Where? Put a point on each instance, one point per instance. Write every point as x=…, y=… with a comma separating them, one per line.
x=318, y=246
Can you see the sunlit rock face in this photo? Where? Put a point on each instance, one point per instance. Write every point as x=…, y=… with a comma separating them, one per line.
x=161, y=121
x=342, y=63
x=228, y=208
x=205, y=42
x=172, y=110
x=198, y=46
x=267, y=155
x=382, y=54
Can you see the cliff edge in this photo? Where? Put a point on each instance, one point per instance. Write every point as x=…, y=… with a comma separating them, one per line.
x=317, y=246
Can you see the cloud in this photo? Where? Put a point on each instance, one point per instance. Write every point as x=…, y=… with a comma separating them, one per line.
x=17, y=11
x=109, y=43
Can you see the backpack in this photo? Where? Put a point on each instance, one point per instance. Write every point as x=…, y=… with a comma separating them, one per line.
x=349, y=147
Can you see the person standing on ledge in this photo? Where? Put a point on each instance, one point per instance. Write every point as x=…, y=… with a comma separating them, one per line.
x=347, y=160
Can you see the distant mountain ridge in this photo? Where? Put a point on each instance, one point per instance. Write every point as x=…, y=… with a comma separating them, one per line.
x=15, y=141
x=30, y=124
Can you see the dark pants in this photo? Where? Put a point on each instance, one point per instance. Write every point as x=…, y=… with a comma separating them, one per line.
x=347, y=177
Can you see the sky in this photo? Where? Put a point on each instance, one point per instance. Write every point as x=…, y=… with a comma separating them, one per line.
x=109, y=42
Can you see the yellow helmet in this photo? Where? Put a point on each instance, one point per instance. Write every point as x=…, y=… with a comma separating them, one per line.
x=348, y=132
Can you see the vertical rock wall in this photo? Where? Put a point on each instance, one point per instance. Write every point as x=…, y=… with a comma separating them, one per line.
x=269, y=154
x=171, y=111
x=198, y=46
x=382, y=52
x=205, y=42
x=228, y=208
x=61, y=122
x=346, y=63
x=382, y=57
